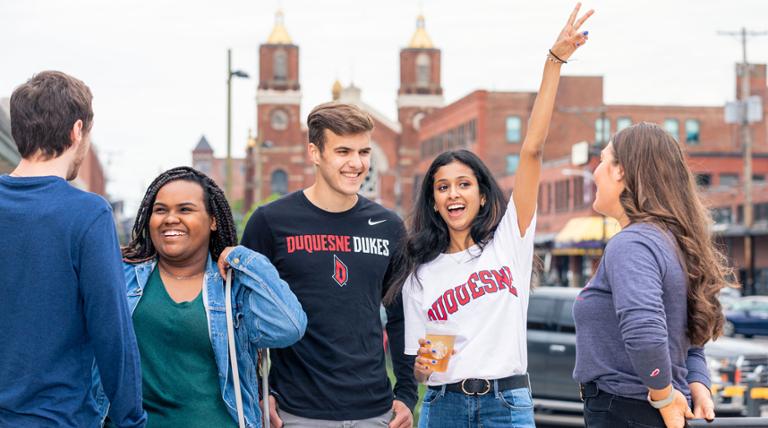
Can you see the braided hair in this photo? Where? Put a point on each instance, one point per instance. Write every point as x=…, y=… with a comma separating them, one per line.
x=141, y=249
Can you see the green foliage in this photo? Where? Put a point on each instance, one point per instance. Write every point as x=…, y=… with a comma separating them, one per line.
x=242, y=220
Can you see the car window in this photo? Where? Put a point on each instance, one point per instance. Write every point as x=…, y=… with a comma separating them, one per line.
x=565, y=320
x=540, y=311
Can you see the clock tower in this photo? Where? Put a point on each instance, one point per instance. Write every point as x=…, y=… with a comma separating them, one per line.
x=277, y=154
x=420, y=93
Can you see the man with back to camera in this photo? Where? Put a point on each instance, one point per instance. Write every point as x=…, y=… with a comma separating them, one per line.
x=62, y=295
x=334, y=248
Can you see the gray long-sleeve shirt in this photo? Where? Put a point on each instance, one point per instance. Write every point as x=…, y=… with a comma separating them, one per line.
x=631, y=319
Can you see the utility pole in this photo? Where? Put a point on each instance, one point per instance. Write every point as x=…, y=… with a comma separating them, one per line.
x=746, y=144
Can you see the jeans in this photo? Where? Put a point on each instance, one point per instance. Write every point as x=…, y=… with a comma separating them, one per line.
x=499, y=408
x=293, y=421
x=612, y=411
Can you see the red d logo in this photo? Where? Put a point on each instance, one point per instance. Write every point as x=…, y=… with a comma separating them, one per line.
x=340, y=273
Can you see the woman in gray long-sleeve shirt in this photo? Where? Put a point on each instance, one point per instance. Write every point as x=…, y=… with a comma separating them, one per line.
x=643, y=319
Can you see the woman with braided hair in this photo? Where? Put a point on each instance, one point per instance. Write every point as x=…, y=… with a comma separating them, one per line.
x=183, y=242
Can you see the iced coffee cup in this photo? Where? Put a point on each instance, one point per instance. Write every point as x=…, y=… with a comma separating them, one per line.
x=441, y=336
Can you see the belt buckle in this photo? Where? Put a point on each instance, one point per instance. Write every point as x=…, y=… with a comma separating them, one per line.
x=487, y=387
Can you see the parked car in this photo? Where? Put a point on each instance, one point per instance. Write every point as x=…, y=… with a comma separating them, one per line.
x=747, y=316
x=728, y=296
x=552, y=356
x=733, y=365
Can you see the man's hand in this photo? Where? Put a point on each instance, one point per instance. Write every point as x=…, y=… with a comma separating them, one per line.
x=274, y=420
x=403, y=416
x=703, y=406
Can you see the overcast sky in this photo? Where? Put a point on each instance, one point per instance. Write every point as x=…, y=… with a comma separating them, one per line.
x=157, y=68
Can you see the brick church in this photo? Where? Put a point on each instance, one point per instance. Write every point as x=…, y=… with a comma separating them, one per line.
x=570, y=235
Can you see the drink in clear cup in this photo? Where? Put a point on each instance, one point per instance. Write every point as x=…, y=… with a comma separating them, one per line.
x=442, y=336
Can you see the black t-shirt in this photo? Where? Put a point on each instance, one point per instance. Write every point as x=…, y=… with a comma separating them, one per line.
x=336, y=264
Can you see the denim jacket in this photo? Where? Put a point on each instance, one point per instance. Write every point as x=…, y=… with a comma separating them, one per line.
x=266, y=315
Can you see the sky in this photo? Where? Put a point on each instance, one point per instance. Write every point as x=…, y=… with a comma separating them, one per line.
x=157, y=68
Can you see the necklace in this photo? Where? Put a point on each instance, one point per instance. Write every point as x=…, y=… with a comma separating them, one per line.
x=180, y=277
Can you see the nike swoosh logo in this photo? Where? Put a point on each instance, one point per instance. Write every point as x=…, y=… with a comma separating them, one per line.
x=374, y=223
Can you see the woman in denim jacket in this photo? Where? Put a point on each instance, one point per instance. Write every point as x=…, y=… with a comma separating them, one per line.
x=183, y=242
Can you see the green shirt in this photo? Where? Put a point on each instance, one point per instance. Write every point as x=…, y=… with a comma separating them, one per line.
x=179, y=373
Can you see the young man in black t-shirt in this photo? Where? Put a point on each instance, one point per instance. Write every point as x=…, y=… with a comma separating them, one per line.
x=333, y=247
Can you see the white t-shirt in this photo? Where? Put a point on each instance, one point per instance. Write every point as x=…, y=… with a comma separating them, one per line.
x=485, y=295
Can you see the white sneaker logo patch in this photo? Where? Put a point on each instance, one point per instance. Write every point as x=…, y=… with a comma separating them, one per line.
x=374, y=223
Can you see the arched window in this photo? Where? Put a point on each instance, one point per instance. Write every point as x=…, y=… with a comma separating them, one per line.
x=280, y=65
x=279, y=182
x=422, y=70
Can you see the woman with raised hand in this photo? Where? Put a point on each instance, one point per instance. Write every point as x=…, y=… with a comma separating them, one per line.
x=652, y=304
x=182, y=244
x=468, y=260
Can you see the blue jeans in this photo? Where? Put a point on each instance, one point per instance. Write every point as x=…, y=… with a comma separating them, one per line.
x=506, y=408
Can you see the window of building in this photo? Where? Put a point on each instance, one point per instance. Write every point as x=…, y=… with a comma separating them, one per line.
x=562, y=195
x=758, y=178
x=623, y=123
x=280, y=65
x=673, y=127
x=472, y=130
x=203, y=166
x=722, y=215
x=279, y=182
x=513, y=161
x=602, y=130
x=704, y=180
x=579, y=198
x=692, y=131
x=514, y=129
x=729, y=180
x=760, y=212
x=422, y=70
x=370, y=188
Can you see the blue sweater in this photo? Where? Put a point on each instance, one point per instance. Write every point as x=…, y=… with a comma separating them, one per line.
x=62, y=309
x=631, y=319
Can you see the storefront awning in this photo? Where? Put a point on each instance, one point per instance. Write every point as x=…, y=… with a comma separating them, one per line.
x=585, y=235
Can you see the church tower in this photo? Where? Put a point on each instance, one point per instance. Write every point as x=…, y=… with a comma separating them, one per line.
x=277, y=153
x=420, y=93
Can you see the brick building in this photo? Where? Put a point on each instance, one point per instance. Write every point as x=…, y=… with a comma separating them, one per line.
x=570, y=235
x=204, y=161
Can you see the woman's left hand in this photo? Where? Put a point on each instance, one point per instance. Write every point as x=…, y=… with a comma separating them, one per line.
x=570, y=37
x=222, y=262
x=703, y=406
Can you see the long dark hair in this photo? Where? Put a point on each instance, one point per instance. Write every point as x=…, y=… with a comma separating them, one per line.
x=660, y=189
x=428, y=234
x=141, y=249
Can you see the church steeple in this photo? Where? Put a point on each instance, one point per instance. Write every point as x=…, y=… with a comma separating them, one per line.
x=279, y=35
x=420, y=38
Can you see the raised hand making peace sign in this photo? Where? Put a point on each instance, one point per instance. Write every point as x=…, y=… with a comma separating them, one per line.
x=570, y=37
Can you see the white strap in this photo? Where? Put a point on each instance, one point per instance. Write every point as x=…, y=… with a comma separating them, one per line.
x=265, y=385
x=233, y=350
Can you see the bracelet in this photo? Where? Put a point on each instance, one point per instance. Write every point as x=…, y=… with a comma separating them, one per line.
x=660, y=404
x=554, y=58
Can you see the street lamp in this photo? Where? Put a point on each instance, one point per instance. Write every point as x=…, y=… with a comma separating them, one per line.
x=228, y=165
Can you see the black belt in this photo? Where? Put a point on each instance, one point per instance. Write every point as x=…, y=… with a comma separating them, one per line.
x=588, y=390
x=484, y=386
